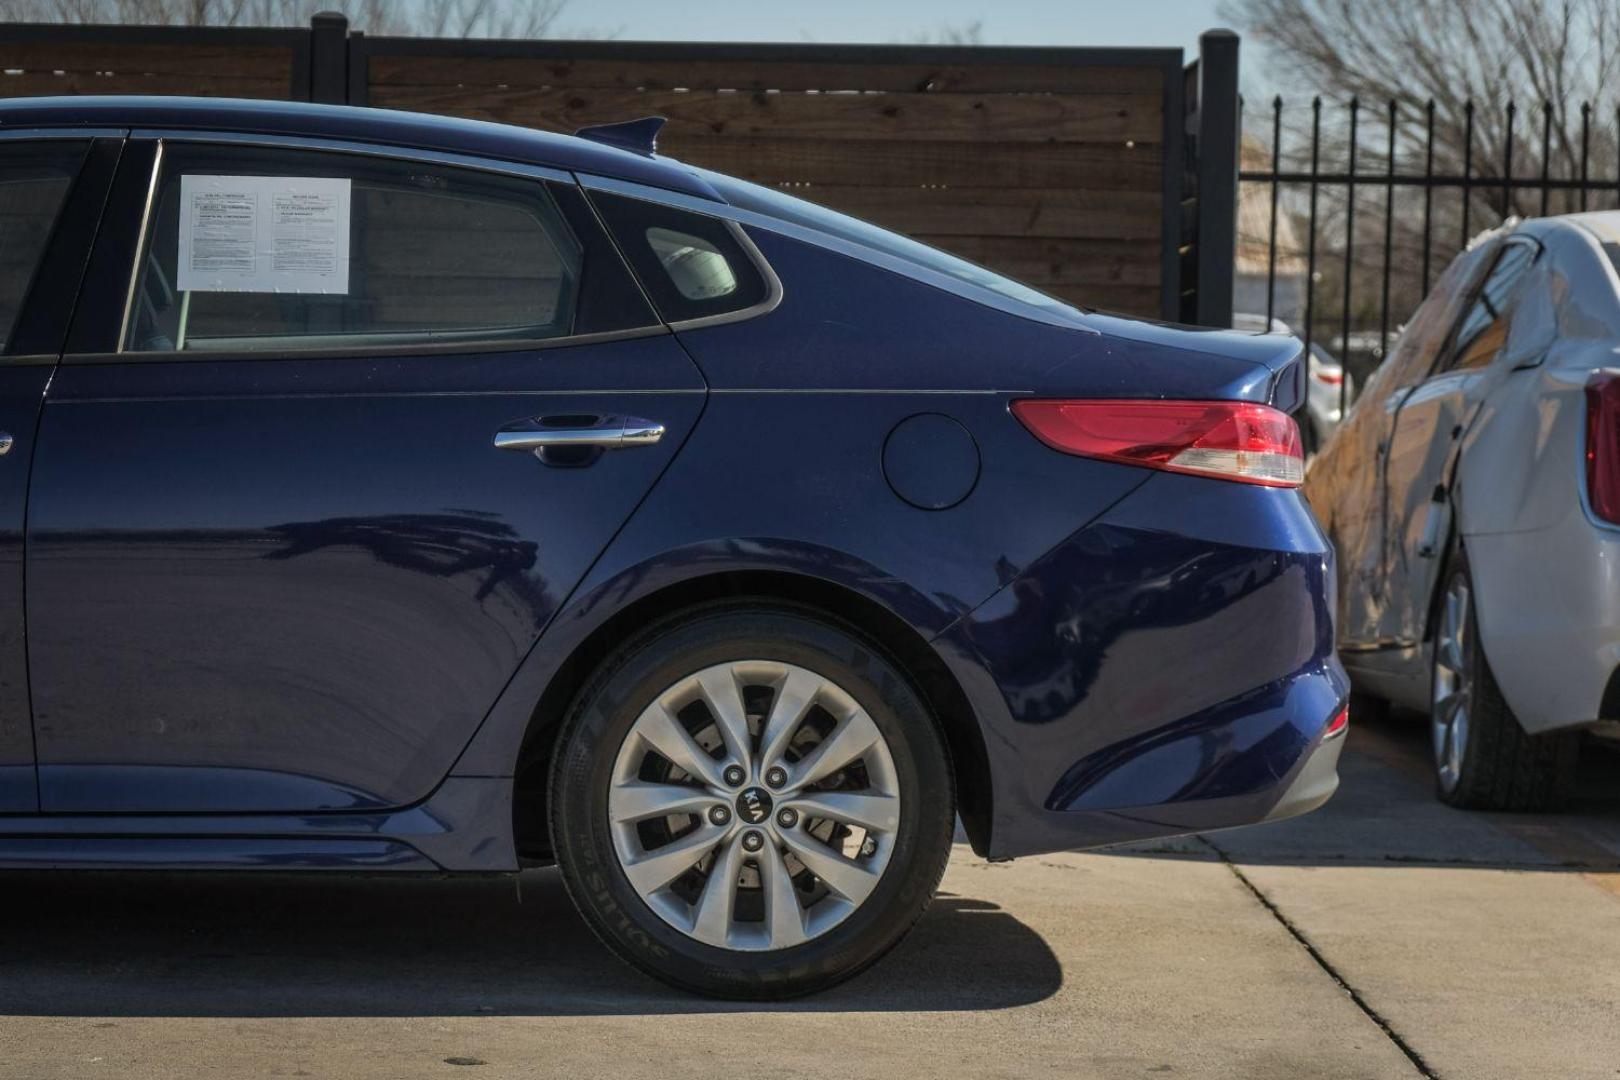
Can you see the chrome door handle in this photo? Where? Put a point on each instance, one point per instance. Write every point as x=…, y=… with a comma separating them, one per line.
x=614, y=435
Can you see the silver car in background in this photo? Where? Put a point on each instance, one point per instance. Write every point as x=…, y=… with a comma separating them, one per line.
x=1473, y=494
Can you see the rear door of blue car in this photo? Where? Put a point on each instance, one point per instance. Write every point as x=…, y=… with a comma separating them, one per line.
x=337, y=430
x=53, y=185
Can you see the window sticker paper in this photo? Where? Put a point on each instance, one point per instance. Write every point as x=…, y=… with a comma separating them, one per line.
x=285, y=234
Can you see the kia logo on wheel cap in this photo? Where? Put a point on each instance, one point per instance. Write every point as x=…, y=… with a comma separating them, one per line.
x=754, y=805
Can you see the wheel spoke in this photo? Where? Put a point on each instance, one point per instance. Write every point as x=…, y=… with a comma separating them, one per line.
x=637, y=800
x=784, y=917
x=665, y=734
x=793, y=700
x=655, y=869
x=711, y=919
x=1459, y=740
x=1451, y=656
x=846, y=877
x=880, y=813
x=724, y=699
x=853, y=737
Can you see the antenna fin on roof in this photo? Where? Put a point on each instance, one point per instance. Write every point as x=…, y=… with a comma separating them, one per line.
x=636, y=136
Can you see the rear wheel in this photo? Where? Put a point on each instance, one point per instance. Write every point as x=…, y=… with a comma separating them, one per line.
x=751, y=803
x=1483, y=758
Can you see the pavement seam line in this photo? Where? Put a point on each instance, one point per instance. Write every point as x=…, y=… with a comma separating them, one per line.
x=1322, y=962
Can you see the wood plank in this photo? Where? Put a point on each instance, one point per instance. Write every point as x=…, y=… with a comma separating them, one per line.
x=233, y=61
x=540, y=71
x=941, y=212
x=763, y=159
x=1000, y=117
x=45, y=84
x=1046, y=261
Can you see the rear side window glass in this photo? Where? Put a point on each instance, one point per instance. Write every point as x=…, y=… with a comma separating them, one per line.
x=1483, y=330
x=34, y=180
x=263, y=248
x=692, y=266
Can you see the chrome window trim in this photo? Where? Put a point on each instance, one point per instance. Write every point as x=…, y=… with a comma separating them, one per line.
x=350, y=146
x=140, y=245
x=7, y=134
x=860, y=252
x=164, y=136
x=489, y=347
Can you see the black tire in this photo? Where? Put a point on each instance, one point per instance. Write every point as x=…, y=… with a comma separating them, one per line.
x=645, y=667
x=1503, y=767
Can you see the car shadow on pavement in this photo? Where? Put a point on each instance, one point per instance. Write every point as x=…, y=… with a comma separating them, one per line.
x=244, y=945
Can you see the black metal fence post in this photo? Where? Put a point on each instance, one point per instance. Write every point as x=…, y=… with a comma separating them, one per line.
x=1217, y=176
x=329, y=58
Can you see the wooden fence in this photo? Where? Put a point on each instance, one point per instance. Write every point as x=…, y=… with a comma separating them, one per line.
x=1093, y=174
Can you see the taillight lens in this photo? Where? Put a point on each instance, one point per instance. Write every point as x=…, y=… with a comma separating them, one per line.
x=1337, y=725
x=1603, y=446
x=1233, y=440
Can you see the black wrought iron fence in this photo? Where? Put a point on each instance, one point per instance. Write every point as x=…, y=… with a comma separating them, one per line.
x=1342, y=230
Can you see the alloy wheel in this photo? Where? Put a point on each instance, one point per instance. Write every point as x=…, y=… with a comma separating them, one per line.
x=754, y=805
x=1453, y=685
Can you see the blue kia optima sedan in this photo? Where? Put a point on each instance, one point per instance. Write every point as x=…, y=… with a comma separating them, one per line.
x=384, y=492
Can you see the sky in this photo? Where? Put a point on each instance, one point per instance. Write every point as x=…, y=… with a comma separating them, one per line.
x=1155, y=23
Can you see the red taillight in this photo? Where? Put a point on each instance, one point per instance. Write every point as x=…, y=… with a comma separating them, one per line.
x=1603, y=446
x=1234, y=440
x=1337, y=725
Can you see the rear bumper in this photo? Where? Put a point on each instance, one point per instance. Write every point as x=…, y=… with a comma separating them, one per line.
x=1314, y=782
x=1167, y=669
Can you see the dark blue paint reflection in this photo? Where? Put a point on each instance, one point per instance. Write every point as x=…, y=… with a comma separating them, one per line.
x=443, y=545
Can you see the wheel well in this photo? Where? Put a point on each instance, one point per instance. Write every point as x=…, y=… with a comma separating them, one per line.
x=909, y=650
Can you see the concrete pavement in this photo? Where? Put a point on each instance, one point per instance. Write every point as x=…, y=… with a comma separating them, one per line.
x=1385, y=936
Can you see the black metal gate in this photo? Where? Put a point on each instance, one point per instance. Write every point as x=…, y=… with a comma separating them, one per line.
x=1366, y=243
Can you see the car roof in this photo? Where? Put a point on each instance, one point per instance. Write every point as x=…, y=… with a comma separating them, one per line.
x=384, y=126
x=1603, y=224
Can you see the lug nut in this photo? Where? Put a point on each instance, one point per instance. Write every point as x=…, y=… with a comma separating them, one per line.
x=776, y=776
x=734, y=775
x=787, y=817
x=753, y=841
x=719, y=815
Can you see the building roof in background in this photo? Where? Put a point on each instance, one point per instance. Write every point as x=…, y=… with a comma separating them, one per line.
x=1254, y=221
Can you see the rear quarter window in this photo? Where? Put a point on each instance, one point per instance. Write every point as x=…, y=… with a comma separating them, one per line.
x=693, y=266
